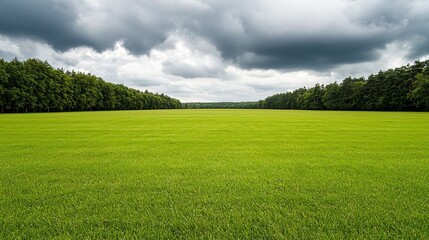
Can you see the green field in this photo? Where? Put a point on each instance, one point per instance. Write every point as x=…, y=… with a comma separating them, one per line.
x=222, y=174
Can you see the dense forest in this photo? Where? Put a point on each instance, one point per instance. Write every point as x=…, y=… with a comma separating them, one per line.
x=244, y=105
x=35, y=86
x=401, y=89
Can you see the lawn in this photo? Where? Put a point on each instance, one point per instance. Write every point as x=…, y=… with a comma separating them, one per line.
x=222, y=174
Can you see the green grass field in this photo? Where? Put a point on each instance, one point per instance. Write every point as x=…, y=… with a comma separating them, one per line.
x=222, y=174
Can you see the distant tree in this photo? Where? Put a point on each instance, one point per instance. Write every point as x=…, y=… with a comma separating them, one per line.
x=350, y=93
x=399, y=89
x=33, y=85
x=4, y=78
x=237, y=105
x=331, y=98
x=314, y=97
x=419, y=95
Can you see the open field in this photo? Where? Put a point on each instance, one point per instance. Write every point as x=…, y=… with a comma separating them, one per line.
x=220, y=174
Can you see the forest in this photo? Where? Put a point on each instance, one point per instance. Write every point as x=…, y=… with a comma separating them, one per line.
x=35, y=86
x=401, y=89
x=225, y=105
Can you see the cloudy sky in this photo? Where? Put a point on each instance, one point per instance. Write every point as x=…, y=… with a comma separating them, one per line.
x=217, y=50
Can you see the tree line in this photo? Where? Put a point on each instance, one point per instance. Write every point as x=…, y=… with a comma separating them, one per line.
x=401, y=89
x=207, y=105
x=35, y=86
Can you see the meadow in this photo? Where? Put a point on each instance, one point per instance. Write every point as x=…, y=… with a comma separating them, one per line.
x=214, y=174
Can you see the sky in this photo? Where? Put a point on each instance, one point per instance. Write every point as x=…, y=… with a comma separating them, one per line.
x=217, y=50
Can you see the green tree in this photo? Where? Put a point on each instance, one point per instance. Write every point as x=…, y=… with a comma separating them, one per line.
x=4, y=77
x=331, y=98
x=419, y=94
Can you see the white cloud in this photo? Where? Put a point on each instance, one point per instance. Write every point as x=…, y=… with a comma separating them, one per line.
x=191, y=68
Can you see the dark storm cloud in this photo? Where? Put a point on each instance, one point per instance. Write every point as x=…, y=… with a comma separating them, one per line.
x=315, y=54
x=268, y=35
x=419, y=48
x=68, y=24
x=369, y=26
x=47, y=20
x=406, y=20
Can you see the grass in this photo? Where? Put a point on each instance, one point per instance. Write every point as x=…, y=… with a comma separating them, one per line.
x=222, y=174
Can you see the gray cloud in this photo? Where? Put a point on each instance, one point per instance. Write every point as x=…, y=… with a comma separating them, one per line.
x=311, y=39
x=188, y=71
x=194, y=58
x=312, y=53
x=48, y=20
x=6, y=55
x=277, y=34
